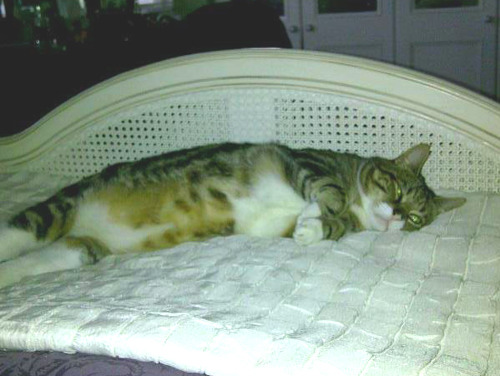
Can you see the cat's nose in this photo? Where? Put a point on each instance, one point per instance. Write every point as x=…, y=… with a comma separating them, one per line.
x=397, y=214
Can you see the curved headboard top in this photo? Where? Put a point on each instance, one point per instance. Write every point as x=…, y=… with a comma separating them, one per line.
x=471, y=115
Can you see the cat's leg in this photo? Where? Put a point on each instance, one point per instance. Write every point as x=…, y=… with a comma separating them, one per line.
x=333, y=229
x=16, y=241
x=321, y=218
x=309, y=228
x=312, y=226
x=330, y=197
x=66, y=253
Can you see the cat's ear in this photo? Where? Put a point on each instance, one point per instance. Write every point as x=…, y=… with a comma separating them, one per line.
x=445, y=204
x=415, y=157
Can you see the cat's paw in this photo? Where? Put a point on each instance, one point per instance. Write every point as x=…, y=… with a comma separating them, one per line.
x=312, y=210
x=308, y=231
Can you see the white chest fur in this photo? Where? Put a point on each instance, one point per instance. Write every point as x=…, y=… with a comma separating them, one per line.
x=270, y=210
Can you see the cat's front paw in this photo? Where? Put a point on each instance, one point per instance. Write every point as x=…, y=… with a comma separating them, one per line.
x=308, y=231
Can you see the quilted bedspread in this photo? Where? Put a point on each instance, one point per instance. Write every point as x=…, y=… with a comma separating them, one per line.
x=371, y=304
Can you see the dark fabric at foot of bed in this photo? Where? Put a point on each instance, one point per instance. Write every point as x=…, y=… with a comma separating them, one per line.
x=59, y=364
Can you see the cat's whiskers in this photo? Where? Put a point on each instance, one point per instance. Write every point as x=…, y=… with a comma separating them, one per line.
x=385, y=213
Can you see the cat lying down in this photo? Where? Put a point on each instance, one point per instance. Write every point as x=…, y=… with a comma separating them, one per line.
x=263, y=190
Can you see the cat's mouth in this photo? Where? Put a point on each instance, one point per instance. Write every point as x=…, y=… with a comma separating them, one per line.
x=393, y=224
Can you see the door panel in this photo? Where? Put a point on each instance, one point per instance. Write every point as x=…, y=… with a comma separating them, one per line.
x=374, y=51
x=460, y=60
x=435, y=4
x=355, y=27
x=291, y=17
x=455, y=40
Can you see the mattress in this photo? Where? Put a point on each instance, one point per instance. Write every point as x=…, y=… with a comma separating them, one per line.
x=371, y=304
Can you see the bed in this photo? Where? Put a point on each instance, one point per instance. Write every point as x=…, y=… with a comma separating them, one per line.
x=371, y=304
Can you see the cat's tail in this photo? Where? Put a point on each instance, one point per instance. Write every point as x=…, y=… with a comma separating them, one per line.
x=40, y=224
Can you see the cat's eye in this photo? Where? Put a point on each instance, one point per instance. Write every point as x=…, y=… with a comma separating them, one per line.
x=399, y=192
x=415, y=219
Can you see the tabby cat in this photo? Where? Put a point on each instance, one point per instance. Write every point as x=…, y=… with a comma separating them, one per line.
x=263, y=190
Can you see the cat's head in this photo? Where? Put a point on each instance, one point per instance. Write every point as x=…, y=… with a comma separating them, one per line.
x=394, y=194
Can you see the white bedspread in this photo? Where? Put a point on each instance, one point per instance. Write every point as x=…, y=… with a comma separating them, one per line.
x=372, y=304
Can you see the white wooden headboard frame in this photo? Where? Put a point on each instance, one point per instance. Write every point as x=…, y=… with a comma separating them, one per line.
x=303, y=99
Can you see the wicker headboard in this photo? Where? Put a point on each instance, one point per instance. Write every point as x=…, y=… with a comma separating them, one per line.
x=302, y=99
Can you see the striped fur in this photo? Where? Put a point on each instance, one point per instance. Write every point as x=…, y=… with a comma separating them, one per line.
x=195, y=194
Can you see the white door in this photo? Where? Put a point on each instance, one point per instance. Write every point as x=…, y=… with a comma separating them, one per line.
x=355, y=27
x=454, y=39
x=290, y=14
